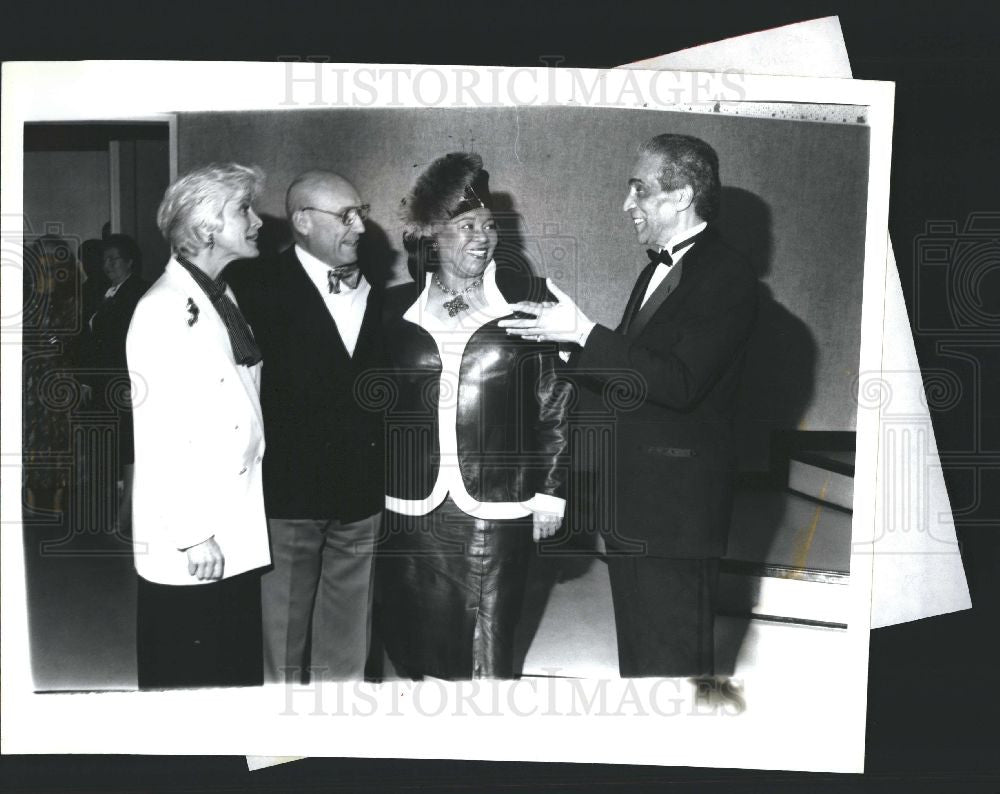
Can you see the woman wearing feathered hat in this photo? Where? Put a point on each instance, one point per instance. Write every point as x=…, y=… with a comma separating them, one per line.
x=477, y=439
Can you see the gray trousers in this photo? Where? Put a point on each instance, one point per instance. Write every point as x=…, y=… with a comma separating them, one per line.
x=316, y=602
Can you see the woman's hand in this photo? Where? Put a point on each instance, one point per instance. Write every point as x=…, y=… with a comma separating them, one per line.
x=206, y=560
x=545, y=524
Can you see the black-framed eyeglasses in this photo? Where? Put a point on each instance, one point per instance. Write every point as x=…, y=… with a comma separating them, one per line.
x=347, y=215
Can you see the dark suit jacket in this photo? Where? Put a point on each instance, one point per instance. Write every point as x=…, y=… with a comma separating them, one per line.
x=108, y=326
x=674, y=449
x=104, y=359
x=325, y=451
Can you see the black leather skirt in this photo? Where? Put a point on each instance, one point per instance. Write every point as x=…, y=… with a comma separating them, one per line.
x=450, y=589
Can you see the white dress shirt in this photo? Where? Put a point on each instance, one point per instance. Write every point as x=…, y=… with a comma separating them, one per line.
x=451, y=342
x=347, y=307
x=663, y=269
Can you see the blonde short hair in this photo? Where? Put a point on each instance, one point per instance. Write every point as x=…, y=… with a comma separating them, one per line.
x=191, y=210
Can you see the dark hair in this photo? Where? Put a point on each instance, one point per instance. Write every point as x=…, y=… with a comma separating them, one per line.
x=687, y=160
x=125, y=246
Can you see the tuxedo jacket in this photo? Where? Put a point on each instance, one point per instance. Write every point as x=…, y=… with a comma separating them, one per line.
x=199, y=436
x=325, y=448
x=677, y=364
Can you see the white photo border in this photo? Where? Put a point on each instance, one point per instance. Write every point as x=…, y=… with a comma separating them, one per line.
x=535, y=720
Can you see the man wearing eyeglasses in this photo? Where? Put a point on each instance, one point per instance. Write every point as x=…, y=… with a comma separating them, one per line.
x=317, y=321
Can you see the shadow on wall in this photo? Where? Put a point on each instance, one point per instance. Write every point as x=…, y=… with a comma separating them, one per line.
x=275, y=235
x=511, y=252
x=778, y=376
x=776, y=387
x=382, y=262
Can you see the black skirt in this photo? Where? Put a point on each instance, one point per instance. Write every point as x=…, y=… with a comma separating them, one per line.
x=450, y=590
x=200, y=635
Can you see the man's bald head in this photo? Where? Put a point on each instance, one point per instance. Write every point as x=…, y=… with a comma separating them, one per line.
x=315, y=186
x=315, y=204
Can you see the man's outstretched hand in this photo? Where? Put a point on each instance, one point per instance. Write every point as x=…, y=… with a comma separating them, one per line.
x=551, y=321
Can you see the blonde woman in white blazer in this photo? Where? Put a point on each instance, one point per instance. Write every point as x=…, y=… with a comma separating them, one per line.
x=199, y=530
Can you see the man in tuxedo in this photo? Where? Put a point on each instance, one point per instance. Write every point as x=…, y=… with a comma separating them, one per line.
x=104, y=358
x=682, y=338
x=317, y=321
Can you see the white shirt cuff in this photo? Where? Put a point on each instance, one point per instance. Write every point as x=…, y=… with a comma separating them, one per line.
x=581, y=340
x=546, y=503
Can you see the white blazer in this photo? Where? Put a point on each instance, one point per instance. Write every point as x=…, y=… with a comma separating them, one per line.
x=199, y=436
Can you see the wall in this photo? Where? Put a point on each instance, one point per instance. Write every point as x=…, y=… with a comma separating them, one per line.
x=83, y=175
x=70, y=190
x=794, y=202
x=144, y=173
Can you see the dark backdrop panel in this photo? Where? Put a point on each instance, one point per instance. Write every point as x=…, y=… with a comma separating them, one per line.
x=794, y=201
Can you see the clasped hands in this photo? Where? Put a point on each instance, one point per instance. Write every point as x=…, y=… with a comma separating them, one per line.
x=559, y=321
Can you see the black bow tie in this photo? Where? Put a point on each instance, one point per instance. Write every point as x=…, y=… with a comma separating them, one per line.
x=665, y=257
x=659, y=257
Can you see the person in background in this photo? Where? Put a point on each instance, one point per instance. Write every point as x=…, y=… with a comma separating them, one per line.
x=95, y=282
x=105, y=365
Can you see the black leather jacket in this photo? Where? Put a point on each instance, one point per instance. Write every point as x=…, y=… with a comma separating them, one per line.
x=511, y=412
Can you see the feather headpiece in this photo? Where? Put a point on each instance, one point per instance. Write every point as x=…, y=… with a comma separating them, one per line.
x=451, y=185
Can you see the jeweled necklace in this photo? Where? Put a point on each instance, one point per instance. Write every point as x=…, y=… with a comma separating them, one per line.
x=456, y=304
